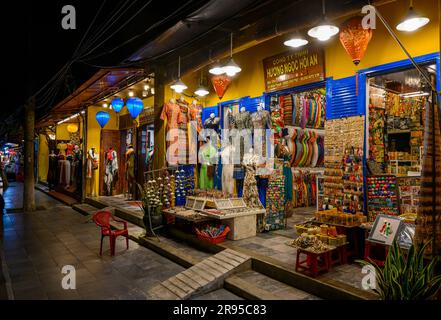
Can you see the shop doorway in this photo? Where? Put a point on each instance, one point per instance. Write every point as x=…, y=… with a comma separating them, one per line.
x=396, y=106
x=110, y=139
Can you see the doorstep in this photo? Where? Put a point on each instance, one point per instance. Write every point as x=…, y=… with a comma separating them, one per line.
x=67, y=200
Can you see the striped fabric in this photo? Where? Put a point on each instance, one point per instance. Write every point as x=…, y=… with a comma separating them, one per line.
x=287, y=109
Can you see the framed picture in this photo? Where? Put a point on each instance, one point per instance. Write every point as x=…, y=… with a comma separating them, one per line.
x=199, y=204
x=223, y=203
x=190, y=202
x=385, y=229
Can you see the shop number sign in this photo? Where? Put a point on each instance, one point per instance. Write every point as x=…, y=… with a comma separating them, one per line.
x=291, y=69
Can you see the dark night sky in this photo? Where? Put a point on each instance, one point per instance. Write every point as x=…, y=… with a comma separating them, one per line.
x=35, y=46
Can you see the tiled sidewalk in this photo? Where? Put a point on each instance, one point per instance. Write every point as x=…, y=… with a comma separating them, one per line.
x=37, y=245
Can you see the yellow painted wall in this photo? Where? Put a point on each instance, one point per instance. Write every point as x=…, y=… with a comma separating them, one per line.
x=382, y=49
x=61, y=132
x=94, y=137
x=43, y=158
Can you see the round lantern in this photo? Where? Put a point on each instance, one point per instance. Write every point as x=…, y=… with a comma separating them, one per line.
x=117, y=104
x=355, y=38
x=72, y=128
x=102, y=117
x=135, y=106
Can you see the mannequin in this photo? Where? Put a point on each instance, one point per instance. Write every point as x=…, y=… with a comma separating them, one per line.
x=287, y=171
x=172, y=113
x=261, y=121
x=92, y=166
x=250, y=193
x=208, y=159
x=130, y=171
x=111, y=163
x=242, y=121
x=227, y=170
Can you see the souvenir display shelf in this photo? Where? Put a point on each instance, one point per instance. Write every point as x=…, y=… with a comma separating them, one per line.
x=382, y=196
x=409, y=189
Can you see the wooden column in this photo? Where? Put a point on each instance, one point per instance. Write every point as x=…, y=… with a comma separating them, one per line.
x=84, y=156
x=159, y=133
x=29, y=182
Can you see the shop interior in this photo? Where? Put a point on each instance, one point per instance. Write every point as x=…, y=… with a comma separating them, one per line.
x=397, y=102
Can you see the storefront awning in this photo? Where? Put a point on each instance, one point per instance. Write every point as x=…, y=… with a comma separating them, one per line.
x=103, y=83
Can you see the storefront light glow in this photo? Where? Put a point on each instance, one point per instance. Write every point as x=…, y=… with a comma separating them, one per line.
x=102, y=117
x=135, y=106
x=117, y=104
x=231, y=68
x=72, y=127
x=323, y=32
x=105, y=105
x=152, y=90
x=412, y=22
x=201, y=91
x=146, y=87
x=68, y=118
x=178, y=86
x=131, y=94
x=295, y=42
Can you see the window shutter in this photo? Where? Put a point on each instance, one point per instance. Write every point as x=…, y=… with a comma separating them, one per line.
x=342, y=98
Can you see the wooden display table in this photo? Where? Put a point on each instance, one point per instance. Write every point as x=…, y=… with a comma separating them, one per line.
x=242, y=224
x=351, y=231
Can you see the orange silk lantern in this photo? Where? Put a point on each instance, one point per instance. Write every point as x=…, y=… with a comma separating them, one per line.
x=220, y=84
x=355, y=38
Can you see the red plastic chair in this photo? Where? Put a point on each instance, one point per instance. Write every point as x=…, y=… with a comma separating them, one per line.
x=102, y=219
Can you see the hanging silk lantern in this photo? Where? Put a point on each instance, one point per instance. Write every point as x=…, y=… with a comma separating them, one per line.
x=102, y=117
x=72, y=128
x=220, y=84
x=135, y=106
x=355, y=38
x=117, y=104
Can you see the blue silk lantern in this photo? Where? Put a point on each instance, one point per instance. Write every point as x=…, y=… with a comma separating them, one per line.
x=135, y=106
x=117, y=104
x=102, y=117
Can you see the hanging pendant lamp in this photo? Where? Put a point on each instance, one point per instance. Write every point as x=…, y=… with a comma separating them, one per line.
x=413, y=20
x=117, y=104
x=178, y=86
x=135, y=106
x=231, y=68
x=325, y=30
x=296, y=41
x=102, y=117
x=216, y=69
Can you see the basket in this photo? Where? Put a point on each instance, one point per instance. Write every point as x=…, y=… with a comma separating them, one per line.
x=214, y=240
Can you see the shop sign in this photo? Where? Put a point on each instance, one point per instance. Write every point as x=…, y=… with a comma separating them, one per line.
x=291, y=69
x=147, y=116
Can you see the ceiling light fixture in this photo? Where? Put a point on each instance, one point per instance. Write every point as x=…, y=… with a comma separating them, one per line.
x=146, y=87
x=325, y=30
x=216, y=69
x=231, y=68
x=201, y=91
x=296, y=41
x=179, y=86
x=412, y=21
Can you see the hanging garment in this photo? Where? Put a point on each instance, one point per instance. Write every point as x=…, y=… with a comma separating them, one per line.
x=250, y=193
x=261, y=120
x=218, y=175
x=52, y=172
x=130, y=164
x=92, y=162
x=111, y=170
x=227, y=171
x=315, y=146
x=207, y=157
x=287, y=109
x=262, y=186
x=172, y=113
x=287, y=173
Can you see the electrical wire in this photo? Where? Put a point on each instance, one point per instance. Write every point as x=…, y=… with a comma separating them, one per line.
x=122, y=26
x=172, y=15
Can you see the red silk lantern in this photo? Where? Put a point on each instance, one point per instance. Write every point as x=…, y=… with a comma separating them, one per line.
x=220, y=84
x=355, y=38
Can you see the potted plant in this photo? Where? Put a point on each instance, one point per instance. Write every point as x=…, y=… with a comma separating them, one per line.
x=406, y=276
x=151, y=204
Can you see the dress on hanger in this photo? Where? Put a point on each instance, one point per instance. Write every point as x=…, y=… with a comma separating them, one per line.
x=261, y=120
x=208, y=157
x=227, y=171
x=111, y=163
